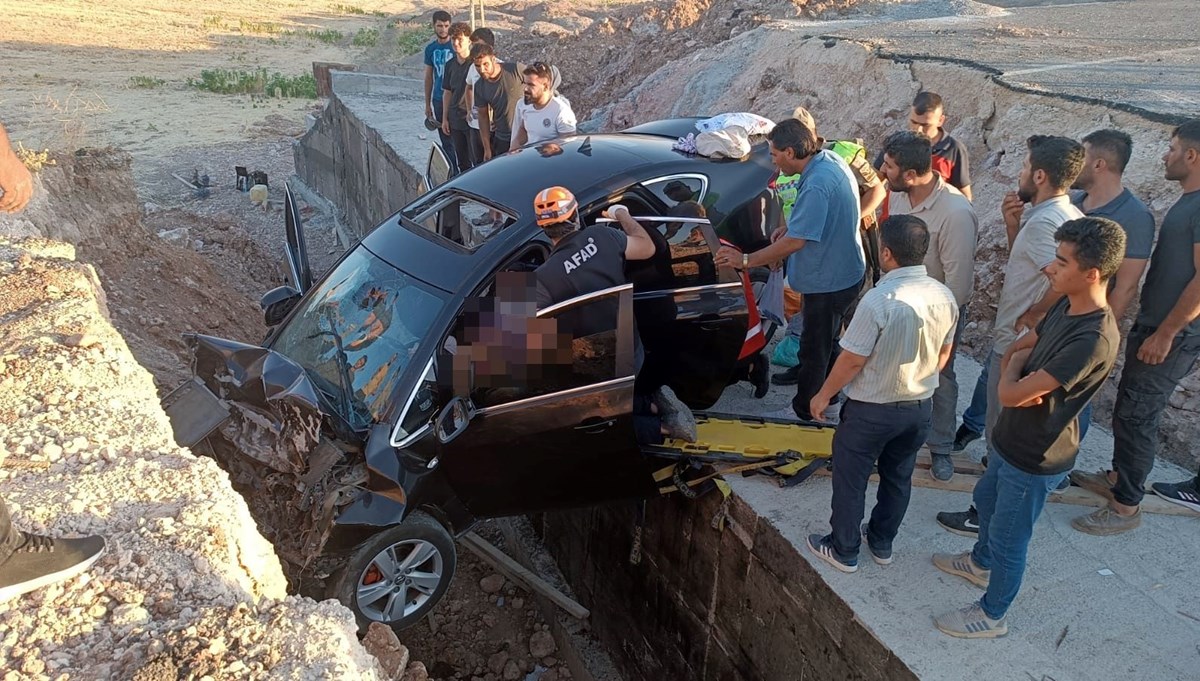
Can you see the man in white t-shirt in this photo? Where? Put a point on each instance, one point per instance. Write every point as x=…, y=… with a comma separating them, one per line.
x=545, y=114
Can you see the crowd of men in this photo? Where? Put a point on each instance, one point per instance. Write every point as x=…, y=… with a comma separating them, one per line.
x=884, y=346
x=481, y=105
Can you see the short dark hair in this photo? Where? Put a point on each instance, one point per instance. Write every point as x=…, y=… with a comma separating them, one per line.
x=480, y=50
x=925, y=102
x=540, y=69
x=792, y=134
x=1099, y=243
x=907, y=237
x=1061, y=158
x=1189, y=134
x=910, y=150
x=460, y=28
x=484, y=34
x=1115, y=146
x=441, y=15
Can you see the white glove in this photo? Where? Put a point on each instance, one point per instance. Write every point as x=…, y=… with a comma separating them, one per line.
x=612, y=210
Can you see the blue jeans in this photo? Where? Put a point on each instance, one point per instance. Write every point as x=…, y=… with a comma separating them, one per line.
x=973, y=417
x=1009, y=502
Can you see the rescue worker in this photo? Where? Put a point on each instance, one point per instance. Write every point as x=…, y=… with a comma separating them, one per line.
x=589, y=259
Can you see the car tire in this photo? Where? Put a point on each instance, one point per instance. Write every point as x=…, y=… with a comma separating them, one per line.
x=413, y=594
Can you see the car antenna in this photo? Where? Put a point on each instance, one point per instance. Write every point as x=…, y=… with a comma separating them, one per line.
x=586, y=147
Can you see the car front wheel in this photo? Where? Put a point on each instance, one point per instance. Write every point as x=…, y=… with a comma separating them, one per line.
x=397, y=576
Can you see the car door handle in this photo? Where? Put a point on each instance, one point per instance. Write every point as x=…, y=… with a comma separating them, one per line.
x=715, y=324
x=592, y=426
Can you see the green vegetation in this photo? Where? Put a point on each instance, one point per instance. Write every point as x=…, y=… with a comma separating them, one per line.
x=259, y=27
x=237, y=82
x=366, y=37
x=327, y=36
x=353, y=9
x=214, y=22
x=146, y=82
x=411, y=40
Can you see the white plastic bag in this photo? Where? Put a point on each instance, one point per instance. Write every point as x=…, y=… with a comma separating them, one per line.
x=753, y=124
x=731, y=142
x=770, y=302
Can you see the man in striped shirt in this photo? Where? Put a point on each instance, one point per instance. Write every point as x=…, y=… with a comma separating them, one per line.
x=899, y=340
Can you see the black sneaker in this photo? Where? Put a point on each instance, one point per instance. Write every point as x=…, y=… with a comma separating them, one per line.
x=964, y=523
x=42, y=561
x=790, y=376
x=964, y=437
x=758, y=376
x=880, y=556
x=822, y=545
x=1183, y=493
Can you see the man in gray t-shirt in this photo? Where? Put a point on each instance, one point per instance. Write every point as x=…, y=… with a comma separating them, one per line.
x=1106, y=153
x=1162, y=347
x=497, y=92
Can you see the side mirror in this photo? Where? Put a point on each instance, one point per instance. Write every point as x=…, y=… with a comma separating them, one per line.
x=277, y=303
x=453, y=419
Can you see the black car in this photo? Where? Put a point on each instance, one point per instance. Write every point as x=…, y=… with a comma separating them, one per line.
x=360, y=446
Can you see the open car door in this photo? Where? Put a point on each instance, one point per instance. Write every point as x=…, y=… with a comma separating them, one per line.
x=692, y=317
x=437, y=167
x=297, y=252
x=561, y=432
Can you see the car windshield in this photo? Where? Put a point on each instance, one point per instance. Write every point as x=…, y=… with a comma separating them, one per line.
x=358, y=331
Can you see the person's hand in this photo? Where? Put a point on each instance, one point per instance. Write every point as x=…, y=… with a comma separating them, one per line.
x=16, y=182
x=728, y=256
x=487, y=154
x=1012, y=208
x=446, y=126
x=611, y=211
x=1155, y=348
x=428, y=111
x=778, y=234
x=817, y=405
x=775, y=266
x=1028, y=320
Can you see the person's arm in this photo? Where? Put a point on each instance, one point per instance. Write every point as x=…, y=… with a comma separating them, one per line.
x=956, y=248
x=639, y=246
x=960, y=175
x=1041, y=248
x=15, y=179
x=1025, y=342
x=519, y=136
x=445, y=111
x=1012, y=208
x=485, y=129
x=1158, y=345
x=857, y=345
x=1125, y=285
x=945, y=356
x=1018, y=391
x=871, y=190
x=807, y=223
x=428, y=91
x=1029, y=318
x=566, y=122
x=871, y=201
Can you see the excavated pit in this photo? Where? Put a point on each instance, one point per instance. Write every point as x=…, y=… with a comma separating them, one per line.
x=724, y=590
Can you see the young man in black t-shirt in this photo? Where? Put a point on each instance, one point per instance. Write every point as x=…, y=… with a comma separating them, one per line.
x=1048, y=377
x=456, y=106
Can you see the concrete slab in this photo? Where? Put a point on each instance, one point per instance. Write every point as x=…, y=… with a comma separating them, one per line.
x=1139, y=53
x=1071, y=621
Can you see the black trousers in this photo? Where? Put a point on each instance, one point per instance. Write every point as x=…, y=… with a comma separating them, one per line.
x=460, y=139
x=868, y=434
x=447, y=144
x=1142, y=397
x=822, y=314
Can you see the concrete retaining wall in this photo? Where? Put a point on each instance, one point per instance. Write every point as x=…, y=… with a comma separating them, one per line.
x=363, y=154
x=706, y=604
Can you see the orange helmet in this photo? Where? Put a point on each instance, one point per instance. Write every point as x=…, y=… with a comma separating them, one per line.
x=554, y=205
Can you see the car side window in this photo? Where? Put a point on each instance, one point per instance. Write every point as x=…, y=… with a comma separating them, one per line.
x=569, y=346
x=692, y=251
x=459, y=218
x=676, y=189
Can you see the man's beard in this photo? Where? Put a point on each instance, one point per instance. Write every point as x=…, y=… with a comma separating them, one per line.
x=1025, y=195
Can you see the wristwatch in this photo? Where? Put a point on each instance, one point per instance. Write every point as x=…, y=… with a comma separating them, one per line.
x=745, y=261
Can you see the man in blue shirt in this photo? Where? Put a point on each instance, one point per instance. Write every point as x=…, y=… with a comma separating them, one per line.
x=824, y=254
x=437, y=53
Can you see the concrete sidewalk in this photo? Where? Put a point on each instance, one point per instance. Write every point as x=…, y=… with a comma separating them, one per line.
x=1073, y=620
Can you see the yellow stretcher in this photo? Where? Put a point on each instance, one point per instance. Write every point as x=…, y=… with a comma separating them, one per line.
x=737, y=444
